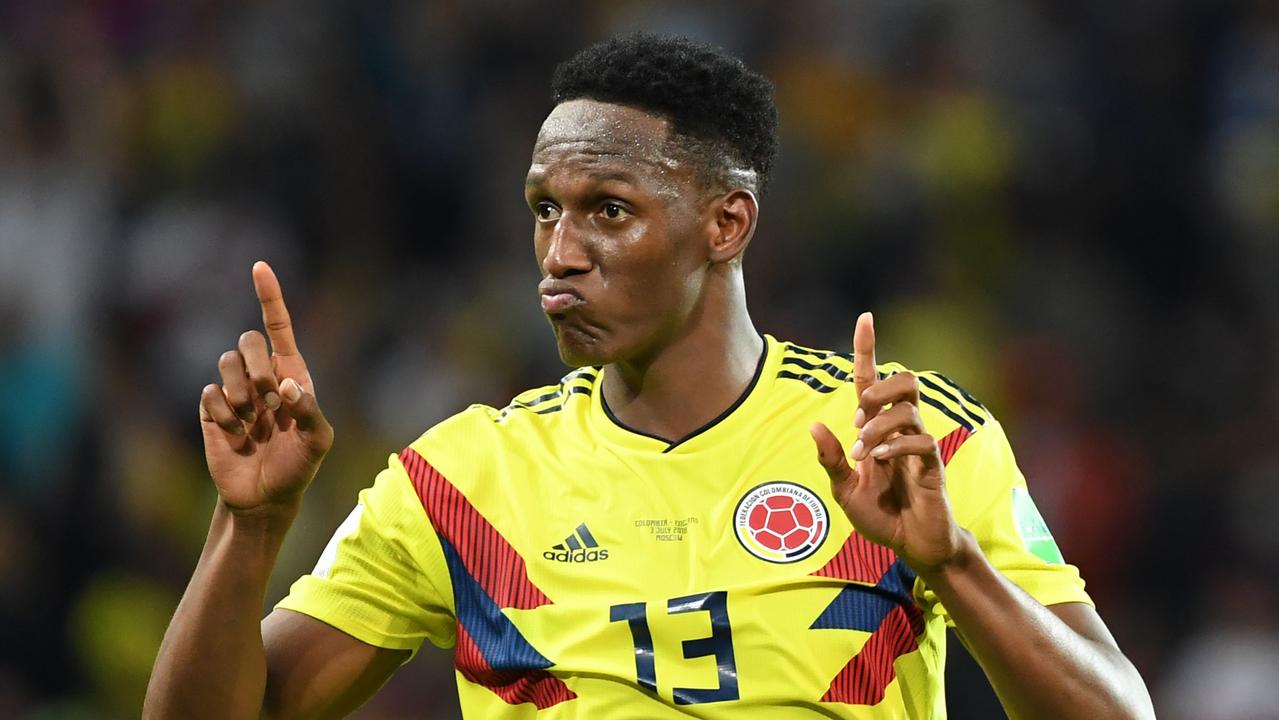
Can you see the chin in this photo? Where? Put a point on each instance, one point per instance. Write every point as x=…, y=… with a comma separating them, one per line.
x=580, y=355
x=580, y=348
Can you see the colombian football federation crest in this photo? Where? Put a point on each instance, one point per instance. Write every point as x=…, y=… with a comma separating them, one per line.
x=781, y=522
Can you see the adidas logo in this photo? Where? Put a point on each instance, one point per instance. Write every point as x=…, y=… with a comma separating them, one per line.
x=579, y=546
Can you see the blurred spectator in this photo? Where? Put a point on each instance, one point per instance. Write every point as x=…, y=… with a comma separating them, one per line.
x=1227, y=669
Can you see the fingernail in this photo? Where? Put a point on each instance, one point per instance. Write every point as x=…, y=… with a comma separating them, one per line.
x=860, y=418
x=290, y=390
x=858, y=448
x=880, y=451
x=272, y=401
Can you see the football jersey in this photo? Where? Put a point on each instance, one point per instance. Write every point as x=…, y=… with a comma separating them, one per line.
x=581, y=569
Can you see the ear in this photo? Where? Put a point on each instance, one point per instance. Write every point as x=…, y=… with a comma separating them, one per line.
x=733, y=216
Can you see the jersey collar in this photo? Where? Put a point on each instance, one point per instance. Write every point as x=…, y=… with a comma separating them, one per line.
x=712, y=433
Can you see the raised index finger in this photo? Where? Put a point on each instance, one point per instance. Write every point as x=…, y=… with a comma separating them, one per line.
x=864, y=372
x=275, y=316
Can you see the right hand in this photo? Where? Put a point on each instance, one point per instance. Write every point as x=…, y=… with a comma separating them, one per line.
x=264, y=434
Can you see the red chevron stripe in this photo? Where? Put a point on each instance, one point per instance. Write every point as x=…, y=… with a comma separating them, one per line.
x=488, y=557
x=867, y=675
x=859, y=560
x=949, y=445
x=514, y=686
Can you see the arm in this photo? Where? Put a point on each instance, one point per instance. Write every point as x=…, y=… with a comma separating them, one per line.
x=317, y=671
x=212, y=659
x=1043, y=663
x=264, y=439
x=219, y=660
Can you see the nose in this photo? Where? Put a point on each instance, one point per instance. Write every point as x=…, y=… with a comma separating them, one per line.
x=566, y=252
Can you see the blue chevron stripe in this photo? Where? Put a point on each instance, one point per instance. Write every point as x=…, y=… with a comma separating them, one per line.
x=859, y=607
x=500, y=642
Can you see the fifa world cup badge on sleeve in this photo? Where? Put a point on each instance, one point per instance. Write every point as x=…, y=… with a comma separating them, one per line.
x=1033, y=530
x=781, y=522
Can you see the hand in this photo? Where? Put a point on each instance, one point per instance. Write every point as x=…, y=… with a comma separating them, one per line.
x=895, y=495
x=264, y=434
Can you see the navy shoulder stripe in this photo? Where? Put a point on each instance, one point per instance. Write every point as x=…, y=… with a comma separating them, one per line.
x=944, y=393
x=554, y=400
x=955, y=386
x=801, y=350
x=808, y=380
x=936, y=391
x=836, y=372
x=796, y=358
x=941, y=407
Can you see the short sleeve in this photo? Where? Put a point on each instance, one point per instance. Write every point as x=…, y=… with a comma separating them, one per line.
x=382, y=578
x=990, y=499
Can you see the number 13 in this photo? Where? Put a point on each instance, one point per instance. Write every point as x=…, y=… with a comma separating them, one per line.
x=719, y=644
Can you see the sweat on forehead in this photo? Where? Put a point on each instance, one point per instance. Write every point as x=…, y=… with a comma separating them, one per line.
x=605, y=128
x=592, y=128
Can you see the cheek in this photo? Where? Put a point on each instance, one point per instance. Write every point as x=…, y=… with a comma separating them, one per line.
x=654, y=271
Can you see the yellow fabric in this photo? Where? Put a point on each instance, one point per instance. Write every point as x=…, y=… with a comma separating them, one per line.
x=382, y=579
x=554, y=460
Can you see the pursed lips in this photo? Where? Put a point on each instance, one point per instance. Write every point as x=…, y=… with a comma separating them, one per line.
x=558, y=296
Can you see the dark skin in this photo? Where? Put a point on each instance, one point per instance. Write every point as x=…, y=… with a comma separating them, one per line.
x=626, y=225
x=641, y=264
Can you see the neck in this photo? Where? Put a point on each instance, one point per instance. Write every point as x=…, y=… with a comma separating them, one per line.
x=695, y=376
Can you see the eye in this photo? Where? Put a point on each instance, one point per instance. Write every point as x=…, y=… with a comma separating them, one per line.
x=546, y=212
x=613, y=211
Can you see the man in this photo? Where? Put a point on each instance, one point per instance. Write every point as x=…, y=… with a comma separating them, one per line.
x=657, y=535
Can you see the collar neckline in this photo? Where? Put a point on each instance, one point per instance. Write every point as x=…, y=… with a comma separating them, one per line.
x=703, y=437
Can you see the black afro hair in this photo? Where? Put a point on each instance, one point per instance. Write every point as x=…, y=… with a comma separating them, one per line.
x=705, y=94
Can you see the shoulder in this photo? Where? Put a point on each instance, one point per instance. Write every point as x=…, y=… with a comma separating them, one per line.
x=945, y=406
x=574, y=387
x=474, y=437
x=823, y=371
x=817, y=375
x=970, y=441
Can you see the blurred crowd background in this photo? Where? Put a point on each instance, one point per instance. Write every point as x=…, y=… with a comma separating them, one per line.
x=1072, y=208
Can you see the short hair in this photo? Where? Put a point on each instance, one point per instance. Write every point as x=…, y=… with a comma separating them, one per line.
x=708, y=96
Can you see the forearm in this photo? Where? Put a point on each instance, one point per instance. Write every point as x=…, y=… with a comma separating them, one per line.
x=212, y=662
x=1038, y=665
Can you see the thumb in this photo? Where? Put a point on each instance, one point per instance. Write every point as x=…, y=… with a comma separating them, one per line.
x=831, y=455
x=305, y=411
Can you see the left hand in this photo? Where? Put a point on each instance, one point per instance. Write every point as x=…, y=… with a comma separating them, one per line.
x=895, y=494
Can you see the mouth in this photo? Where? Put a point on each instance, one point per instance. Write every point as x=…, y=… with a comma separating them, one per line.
x=558, y=297
x=559, y=303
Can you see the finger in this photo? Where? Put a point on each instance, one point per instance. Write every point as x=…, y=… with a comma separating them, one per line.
x=275, y=316
x=902, y=387
x=901, y=418
x=864, y=371
x=260, y=430
x=921, y=446
x=830, y=453
x=235, y=385
x=257, y=362
x=305, y=411
x=215, y=409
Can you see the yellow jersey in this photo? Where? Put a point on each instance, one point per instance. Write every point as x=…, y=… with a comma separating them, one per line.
x=581, y=569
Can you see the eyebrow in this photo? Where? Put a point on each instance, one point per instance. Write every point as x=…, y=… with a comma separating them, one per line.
x=536, y=177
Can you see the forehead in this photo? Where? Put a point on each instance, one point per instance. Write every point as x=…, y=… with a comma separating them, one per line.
x=602, y=135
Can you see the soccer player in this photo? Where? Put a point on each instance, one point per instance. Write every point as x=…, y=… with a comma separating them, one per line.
x=697, y=520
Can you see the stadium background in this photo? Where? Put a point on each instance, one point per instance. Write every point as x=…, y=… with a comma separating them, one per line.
x=1073, y=209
